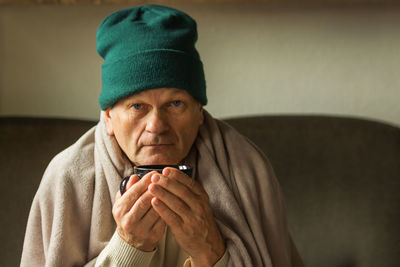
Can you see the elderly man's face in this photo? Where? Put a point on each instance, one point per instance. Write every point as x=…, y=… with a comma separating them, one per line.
x=156, y=126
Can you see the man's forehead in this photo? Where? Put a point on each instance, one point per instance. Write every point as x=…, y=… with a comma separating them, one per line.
x=159, y=92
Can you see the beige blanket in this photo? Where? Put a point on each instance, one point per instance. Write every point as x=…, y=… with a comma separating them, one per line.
x=71, y=222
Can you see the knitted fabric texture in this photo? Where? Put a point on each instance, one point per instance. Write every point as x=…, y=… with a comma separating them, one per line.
x=148, y=47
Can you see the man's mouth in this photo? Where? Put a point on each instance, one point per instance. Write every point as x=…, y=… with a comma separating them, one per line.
x=157, y=145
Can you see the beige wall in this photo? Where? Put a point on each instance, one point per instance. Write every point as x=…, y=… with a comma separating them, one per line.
x=258, y=59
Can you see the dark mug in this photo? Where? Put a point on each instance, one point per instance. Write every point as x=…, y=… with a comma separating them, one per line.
x=143, y=169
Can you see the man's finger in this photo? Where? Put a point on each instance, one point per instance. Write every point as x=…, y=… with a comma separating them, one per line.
x=133, y=179
x=141, y=207
x=173, y=202
x=179, y=176
x=170, y=217
x=158, y=229
x=133, y=193
x=172, y=185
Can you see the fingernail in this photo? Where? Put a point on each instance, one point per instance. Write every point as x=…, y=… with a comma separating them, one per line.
x=151, y=187
x=155, y=178
x=165, y=172
x=155, y=201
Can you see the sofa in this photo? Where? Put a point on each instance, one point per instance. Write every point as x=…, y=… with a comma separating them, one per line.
x=340, y=177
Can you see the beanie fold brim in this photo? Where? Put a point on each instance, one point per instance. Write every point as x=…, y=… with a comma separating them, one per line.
x=162, y=69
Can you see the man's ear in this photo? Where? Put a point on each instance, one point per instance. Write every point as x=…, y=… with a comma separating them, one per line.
x=108, y=121
x=201, y=114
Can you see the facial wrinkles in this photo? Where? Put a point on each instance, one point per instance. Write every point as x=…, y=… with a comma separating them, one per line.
x=167, y=140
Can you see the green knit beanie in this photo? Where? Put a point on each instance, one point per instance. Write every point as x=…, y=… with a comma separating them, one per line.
x=148, y=47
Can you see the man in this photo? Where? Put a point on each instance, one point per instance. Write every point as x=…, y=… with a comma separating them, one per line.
x=230, y=212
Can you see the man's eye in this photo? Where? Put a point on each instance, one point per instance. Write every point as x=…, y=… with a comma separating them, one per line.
x=176, y=103
x=137, y=106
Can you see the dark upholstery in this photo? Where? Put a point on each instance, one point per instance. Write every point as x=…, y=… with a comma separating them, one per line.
x=341, y=180
x=340, y=176
x=27, y=146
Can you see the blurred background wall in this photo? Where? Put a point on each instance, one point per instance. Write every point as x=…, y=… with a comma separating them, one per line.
x=259, y=59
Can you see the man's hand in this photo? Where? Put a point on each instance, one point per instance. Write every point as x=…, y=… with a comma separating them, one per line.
x=184, y=206
x=137, y=222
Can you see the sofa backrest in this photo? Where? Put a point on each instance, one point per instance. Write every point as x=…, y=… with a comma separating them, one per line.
x=341, y=179
x=26, y=147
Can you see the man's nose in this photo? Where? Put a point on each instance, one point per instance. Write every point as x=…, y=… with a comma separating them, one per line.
x=157, y=122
